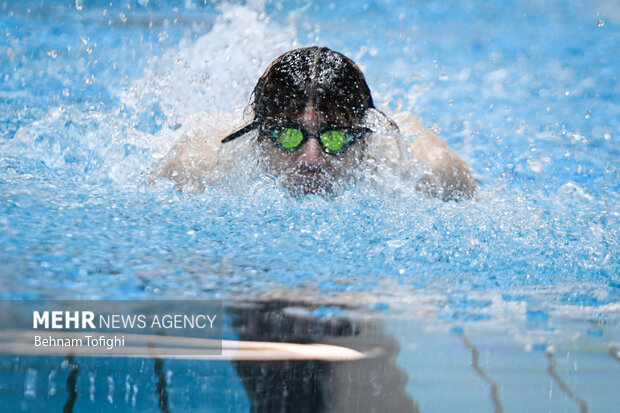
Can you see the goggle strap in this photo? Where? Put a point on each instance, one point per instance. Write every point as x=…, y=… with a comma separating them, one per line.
x=241, y=132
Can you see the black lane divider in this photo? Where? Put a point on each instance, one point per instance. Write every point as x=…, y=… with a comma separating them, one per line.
x=162, y=385
x=71, y=385
x=475, y=358
x=583, y=407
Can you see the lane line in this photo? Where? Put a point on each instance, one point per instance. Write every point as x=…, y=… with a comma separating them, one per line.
x=71, y=385
x=161, y=389
x=475, y=358
x=583, y=407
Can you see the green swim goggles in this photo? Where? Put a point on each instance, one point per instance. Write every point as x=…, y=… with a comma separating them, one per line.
x=290, y=136
x=332, y=140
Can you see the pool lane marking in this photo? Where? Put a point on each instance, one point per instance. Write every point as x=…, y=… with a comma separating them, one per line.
x=583, y=407
x=475, y=358
x=161, y=389
x=71, y=385
x=615, y=352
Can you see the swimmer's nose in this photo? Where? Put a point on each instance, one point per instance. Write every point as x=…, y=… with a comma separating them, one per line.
x=311, y=153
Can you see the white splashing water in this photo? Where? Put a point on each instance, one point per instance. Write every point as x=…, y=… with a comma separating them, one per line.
x=30, y=384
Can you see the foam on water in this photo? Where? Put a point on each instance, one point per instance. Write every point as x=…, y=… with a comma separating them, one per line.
x=79, y=218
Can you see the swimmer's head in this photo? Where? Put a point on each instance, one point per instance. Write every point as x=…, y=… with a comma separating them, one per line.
x=308, y=106
x=319, y=77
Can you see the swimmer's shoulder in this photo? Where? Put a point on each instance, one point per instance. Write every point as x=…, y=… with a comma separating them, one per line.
x=450, y=176
x=194, y=156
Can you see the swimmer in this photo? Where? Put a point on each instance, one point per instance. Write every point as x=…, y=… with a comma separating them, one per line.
x=315, y=125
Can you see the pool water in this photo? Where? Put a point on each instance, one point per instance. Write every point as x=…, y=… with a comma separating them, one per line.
x=512, y=297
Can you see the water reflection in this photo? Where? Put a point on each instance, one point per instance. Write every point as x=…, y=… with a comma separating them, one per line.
x=290, y=357
x=374, y=384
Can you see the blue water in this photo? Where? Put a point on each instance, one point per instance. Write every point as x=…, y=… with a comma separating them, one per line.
x=526, y=92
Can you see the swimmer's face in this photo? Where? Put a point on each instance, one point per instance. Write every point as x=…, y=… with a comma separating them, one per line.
x=307, y=107
x=308, y=168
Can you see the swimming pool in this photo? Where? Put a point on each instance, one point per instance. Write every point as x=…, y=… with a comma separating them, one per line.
x=513, y=294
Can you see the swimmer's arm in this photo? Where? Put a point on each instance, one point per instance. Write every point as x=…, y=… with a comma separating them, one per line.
x=195, y=159
x=186, y=163
x=449, y=177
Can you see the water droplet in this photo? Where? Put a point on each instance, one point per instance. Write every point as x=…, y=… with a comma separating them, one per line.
x=135, y=395
x=79, y=4
x=51, y=383
x=30, y=385
x=162, y=36
x=91, y=387
x=600, y=23
x=110, y=389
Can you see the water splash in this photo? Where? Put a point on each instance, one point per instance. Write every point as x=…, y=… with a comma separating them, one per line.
x=544, y=221
x=30, y=384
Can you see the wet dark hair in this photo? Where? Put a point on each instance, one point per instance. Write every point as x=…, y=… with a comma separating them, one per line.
x=318, y=76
